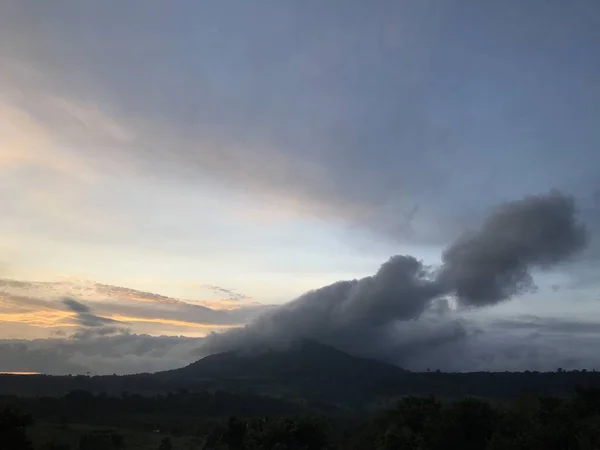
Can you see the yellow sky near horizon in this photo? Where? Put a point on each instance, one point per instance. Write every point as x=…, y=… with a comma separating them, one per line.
x=19, y=373
x=37, y=309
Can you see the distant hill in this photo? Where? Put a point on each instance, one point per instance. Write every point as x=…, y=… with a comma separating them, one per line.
x=305, y=361
x=307, y=374
x=307, y=370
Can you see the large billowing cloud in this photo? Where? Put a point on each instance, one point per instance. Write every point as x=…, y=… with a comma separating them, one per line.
x=403, y=307
x=494, y=264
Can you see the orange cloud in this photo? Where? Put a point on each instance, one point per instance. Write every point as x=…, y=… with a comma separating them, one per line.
x=221, y=304
x=181, y=323
x=44, y=319
x=123, y=293
x=19, y=373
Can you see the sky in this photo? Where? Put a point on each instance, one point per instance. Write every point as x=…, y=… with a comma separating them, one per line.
x=173, y=169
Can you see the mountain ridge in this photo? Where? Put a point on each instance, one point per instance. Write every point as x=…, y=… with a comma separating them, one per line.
x=304, y=360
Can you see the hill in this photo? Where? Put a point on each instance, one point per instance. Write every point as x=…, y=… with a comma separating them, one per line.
x=307, y=367
x=306, y=360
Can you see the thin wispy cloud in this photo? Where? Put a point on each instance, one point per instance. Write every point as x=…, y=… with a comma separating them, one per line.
x=224, y=293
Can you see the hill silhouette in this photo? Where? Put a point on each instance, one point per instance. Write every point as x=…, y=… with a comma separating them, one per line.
x=304, y=360
x=308, y=373
x=306, y=369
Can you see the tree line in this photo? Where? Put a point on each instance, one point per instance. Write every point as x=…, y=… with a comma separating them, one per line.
x=415, y=423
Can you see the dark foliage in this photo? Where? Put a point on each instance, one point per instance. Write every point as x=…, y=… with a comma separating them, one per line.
x=165, y=444
x=226, y=421
x=299, y=433
x=84, y=406
x=295, y=382
x=534, y=423
x=13, y=426
x=102, y=440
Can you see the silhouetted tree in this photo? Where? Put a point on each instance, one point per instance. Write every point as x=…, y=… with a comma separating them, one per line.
x=165, y=444
x=55, y=446
x=118, y=441
x=466, y=425
x=13, y=427
x=236, y=432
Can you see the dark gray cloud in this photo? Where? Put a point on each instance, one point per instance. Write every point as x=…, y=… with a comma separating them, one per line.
x=403, y=308
x=91, y=325
x=36, y=356
x=85, y=318
x=99, y=332
x=494, y=263
x=76, y=306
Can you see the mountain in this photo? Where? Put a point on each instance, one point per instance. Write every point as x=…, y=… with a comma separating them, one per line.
x=305, y=367
x=306, y=359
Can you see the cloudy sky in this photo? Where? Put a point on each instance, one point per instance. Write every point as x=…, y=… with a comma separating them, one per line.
x=170, y=169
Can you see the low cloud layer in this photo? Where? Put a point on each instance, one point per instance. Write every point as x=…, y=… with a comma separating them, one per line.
x=121, y=353
x=437, y=342
x=404, y=308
